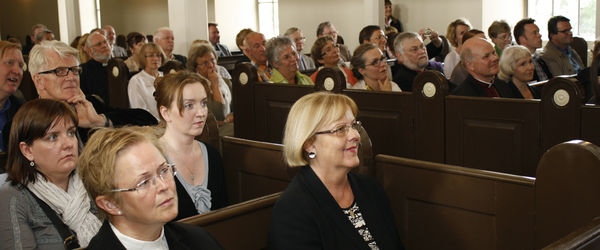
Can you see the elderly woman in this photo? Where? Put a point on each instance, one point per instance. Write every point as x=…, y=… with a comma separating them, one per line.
x=202, y=59
x=182, y=101
x=326, y=53
x=44, y=201
x=282, y=55
x=141, y=85
x=500, y=34
x=326, y=206
x=11, y=74
x=455, y=33
x=125, y=172
x=370, y=67
x=135, y=41
x=516, y=68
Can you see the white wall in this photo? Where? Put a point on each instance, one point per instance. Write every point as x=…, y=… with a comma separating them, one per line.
x=143, y=16
x=17, y=17
x=233, y=16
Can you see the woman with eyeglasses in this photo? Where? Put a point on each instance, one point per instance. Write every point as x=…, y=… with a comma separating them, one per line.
x=374, y=34
x=326, y=53
x=326, y=206
x=141, y=85
x=202, y=59
x=371, y=69
x=499, y=33
x=44, y=203
x=282, y=55
x=182, y=102
x=125, y=172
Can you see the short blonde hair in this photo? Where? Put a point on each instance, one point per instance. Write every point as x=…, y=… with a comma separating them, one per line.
x=96, y=165
x=510, y=56
x=309, y=113
x=150, y=48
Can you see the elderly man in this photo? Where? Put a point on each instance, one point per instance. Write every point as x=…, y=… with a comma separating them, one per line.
x=215, y=40
x=44, y=35
x=55, y=72
x=412, y=59
x=479, y=57
x=111, y=37
x=304, y=61
x=528, y=34
x=166, y=40
x=327, y=29
x=34, y=30
x=94, y=79
x=254, y=48
x=558, y=54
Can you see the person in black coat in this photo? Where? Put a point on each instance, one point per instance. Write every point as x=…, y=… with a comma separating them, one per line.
x=131, y=182
x=326, y=206
x=11, y=74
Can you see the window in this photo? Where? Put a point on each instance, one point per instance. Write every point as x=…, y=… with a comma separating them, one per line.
x=268, y=18
x=581, y=12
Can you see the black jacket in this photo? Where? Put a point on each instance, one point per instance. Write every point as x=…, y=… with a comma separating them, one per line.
x=470, y=88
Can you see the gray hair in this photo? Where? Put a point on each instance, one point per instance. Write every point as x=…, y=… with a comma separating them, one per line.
x=40, y=35
x=38, y=54
x=199, y=50
x=510, y=56
x=291, y=31
x=159, y=31
x=274, y=47
x=400, y=38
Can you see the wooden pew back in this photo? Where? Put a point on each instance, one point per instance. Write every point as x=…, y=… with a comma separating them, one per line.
x=586, y=237
x=118, y=80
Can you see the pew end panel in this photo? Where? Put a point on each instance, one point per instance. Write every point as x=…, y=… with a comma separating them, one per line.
x=560, y=115
x=244, y=78
x=461, y=208
x=430, y=89
x=584, y=238
x=590, y=124
x=118, y=80
x=330, y=79
x=253, y=169
x=496, y=134
x=567, y=190
x=240, y=226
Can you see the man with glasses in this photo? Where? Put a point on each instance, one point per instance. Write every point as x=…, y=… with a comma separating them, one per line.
x=304, y=61
x=55, y=70
x=94, y=78
x=412, y=59
x=558, y=54
x=327, y=29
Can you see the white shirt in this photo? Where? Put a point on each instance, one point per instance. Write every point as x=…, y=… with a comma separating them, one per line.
x=225, y=93
x=134, y=244
x=141, y=92
x=450, y=62
x=362, y=85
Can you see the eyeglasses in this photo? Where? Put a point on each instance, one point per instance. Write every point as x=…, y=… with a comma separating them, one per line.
x=300, y=39
x=378, y=62
x=342, y=130
x=165, y=173
x=63, y=71
x=204, y=64
x=565, y=31
x=152, y=55
x=381, y=37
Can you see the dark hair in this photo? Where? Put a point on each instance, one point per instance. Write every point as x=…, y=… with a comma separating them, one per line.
x=366, y=32
x=552, y=22
x=321, y=27
x=471, y=33
x=133, y=38
x=212, y=24
x=519, y=29
x=387, y=2
x=30, y=123
x=357, y=61
x=317, y=49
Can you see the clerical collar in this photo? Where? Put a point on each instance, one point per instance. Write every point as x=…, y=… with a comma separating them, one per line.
x=489, y=84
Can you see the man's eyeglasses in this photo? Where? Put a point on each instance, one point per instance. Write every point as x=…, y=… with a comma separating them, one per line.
x=63, y=71
x=165, y=173
x=565, y=31
x=342, y=130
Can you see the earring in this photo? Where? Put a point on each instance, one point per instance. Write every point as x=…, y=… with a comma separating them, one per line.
x=119, y=213
x=312, y=155
x=32, y=164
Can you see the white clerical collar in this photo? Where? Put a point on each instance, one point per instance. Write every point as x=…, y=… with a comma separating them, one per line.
x=135, y=244
x=489, y=84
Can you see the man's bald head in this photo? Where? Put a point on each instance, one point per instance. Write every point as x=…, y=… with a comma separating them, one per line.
x=480, y=59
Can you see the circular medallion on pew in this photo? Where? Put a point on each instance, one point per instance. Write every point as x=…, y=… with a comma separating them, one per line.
x=115, y=71
x=243, y=78
x=172, y=71
x=328, y=83
x=561, y=97
x=429, y=89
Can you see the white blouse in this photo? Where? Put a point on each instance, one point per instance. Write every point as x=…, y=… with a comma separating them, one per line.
x=141, y=92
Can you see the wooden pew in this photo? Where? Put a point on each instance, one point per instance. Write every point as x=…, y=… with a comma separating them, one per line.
x=586, y=237
x=229, y=62
x=439, y=206
x=240, y=226
x=118, y=80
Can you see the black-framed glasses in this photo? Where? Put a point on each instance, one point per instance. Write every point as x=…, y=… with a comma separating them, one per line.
x=165, y=173
x=63, y=71
x=565, y=31
x=342, y=130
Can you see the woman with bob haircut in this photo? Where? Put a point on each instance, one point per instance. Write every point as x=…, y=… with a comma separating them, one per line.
x=135, y=41
x=200, y=182
x=282, y=55
x=127, y=175
x=516, y=69
x=369, y=66
x=455, y=33
x=326, y=206
x=326, y=53
x=44, y=201
x=141, y=85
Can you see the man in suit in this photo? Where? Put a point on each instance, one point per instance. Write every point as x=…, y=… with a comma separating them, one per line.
x=117, y=51
x=558, y=54
x=304, y=61
x=215, y=40
x=254, y=48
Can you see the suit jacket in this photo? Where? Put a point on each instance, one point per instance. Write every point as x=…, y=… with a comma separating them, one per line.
x=558, y=62
x=222, y=49
x=404, y=76
x=470, y=88
x=307, y=217
x=15, y=104
x=181, y=59
x=179, y=236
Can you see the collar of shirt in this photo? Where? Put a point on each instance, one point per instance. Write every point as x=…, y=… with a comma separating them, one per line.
x=489, y=84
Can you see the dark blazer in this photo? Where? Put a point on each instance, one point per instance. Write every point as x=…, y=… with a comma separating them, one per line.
x=470, y=88
x=181, y=58
x=404, y=76
x=216, y=185
x=179, y=236
x=306, y=216
x=535, y=92
x=15, y=104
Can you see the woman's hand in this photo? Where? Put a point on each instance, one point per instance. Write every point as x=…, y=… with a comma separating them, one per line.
x=213, y=76
x=385, y=85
